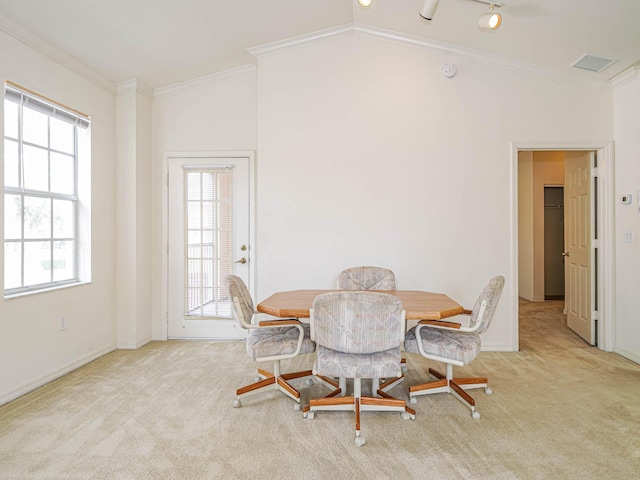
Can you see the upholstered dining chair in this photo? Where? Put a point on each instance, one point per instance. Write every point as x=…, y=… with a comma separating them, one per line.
x=370, y=278
x=366, y=278
x=454, y=344
x=357, y=335
x=271, y=340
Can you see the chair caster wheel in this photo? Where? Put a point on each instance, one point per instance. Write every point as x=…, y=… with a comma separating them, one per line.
x=488, y=391
x=308, y=382
x=413, y=400
x=405, y=415
x=309, y=415
x=297, y=407
x=236, y=404
x=360, y=441
x=476, y=415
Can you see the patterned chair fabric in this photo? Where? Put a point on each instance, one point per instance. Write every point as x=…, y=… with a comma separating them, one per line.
x=264, y=342
x=366, y=278
x=358, y=334
x=268, y=341
x=462, y=347
x=455, y=346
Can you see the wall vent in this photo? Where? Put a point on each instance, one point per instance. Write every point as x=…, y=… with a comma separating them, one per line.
x=593, y=63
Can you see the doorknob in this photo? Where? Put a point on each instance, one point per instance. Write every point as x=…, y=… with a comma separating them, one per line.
x=242, y=260
x=565, y=254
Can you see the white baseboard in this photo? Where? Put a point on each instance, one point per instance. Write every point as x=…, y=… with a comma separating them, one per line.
x=31, y=385
x=133, y=346
x=633, y=356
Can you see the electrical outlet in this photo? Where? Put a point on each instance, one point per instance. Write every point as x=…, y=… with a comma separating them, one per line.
x=63, y=324
x=629, y=236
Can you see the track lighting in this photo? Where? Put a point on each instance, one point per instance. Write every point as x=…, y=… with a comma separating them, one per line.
x=490, y=22
x=429, y=9
x=364, y=3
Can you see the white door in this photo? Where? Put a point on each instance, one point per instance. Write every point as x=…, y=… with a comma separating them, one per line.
x=208, y=236
x=578, y=248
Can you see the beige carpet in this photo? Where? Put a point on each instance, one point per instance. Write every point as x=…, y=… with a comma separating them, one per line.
x=560, y=410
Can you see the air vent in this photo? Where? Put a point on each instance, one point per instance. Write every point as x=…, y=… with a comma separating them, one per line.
x=593, y=63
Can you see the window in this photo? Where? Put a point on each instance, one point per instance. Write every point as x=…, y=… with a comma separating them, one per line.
x=41, y=202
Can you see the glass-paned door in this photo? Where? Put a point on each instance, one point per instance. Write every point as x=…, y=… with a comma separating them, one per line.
x=208, y=239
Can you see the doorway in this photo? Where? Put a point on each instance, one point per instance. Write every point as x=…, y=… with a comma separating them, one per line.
x=523, y=227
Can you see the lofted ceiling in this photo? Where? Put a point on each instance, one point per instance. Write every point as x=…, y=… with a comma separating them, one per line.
x=164, y=42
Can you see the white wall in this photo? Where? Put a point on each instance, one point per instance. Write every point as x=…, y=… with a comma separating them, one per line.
x=369, y=155
x=217, y=113
x=133, y=207
x=32, y=350
x=627, y=151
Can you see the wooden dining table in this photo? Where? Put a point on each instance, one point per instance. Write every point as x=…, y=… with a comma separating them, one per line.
x=418, y=305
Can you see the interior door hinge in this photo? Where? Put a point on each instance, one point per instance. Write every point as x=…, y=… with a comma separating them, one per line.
x=167, y=248
x=594, y=172
x=167, y=179
x=595, y=243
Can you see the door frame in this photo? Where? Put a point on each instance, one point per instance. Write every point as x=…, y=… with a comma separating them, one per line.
x=606, y=287
x=166, y=158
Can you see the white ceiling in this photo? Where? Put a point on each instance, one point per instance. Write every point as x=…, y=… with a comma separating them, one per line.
x=163, y=42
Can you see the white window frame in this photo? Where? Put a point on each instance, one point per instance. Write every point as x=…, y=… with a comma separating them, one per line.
x=81, y=132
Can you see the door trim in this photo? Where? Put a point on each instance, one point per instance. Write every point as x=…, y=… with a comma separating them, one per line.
x=167, y=156
x=606, y=287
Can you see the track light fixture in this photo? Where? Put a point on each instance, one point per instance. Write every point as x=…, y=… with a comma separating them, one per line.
x=490, y=22
x=429, y=9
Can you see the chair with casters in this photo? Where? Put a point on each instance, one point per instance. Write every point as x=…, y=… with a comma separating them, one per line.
x=271, y=340
x=358, y=335
x=367, y=278
x=371, y=278
x=454, y=344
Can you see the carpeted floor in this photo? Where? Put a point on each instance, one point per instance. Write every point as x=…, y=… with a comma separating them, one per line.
x=560, y=410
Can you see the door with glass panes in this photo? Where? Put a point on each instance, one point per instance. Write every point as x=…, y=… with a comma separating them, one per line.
x=208, y=238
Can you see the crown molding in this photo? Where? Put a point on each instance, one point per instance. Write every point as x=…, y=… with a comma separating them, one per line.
x=301, y=41
x=45, y=48
x=204, y=81
x=134, y=85
x=416, y=41
x=626, y=77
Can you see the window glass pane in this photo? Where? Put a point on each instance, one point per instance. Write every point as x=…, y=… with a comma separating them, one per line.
x=37, y=263
x=207, y=215
x=62, y=174
x=12, y=217
x=35, y=127
x=37, y=217
x=193, y=215
x=63, y=258
x=207, y=185
x=207, y=274
x=193, y=186
x=36, y=168
x=207, y=236
x=194, y=250
x=62, y=137
x=12, y=265
x=11, y=165
x=194, y=273
x=63, y=221
x=10, y=119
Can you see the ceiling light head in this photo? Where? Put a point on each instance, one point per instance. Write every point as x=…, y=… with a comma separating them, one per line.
x=429, y=9
x=364, y=3
x=490, y=22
